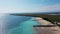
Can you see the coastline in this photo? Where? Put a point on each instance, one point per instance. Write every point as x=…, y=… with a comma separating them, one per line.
x=42, y=21
x=46, y=30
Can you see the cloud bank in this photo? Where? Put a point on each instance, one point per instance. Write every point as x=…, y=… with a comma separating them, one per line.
x=20, y=6
x=37, y=8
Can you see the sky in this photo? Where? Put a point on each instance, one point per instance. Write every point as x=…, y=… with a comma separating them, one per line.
x=21, y=6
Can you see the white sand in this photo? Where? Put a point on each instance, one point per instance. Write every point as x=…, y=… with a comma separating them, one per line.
x=46, y=30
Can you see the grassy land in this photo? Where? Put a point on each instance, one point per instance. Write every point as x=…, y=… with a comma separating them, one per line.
x=51, y=18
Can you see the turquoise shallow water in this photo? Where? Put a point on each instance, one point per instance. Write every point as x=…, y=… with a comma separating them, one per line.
x=25, y=27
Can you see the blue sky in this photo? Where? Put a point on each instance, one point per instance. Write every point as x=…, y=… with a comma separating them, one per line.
x=15, y=6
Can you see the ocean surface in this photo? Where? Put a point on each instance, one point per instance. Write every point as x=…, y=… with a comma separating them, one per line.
x=10, y=24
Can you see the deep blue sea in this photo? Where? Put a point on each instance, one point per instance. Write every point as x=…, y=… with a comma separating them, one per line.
x=17, y=24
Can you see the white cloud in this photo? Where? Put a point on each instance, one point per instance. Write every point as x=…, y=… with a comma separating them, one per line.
x=36, y=8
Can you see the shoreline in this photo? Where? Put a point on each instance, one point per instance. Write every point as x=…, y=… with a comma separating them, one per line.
x=42, y=21
x=46, y=30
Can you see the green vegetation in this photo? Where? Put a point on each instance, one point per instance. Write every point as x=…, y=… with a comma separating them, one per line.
x=51, y=18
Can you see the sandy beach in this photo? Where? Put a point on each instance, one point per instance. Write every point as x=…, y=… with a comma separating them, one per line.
x=46, y=30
